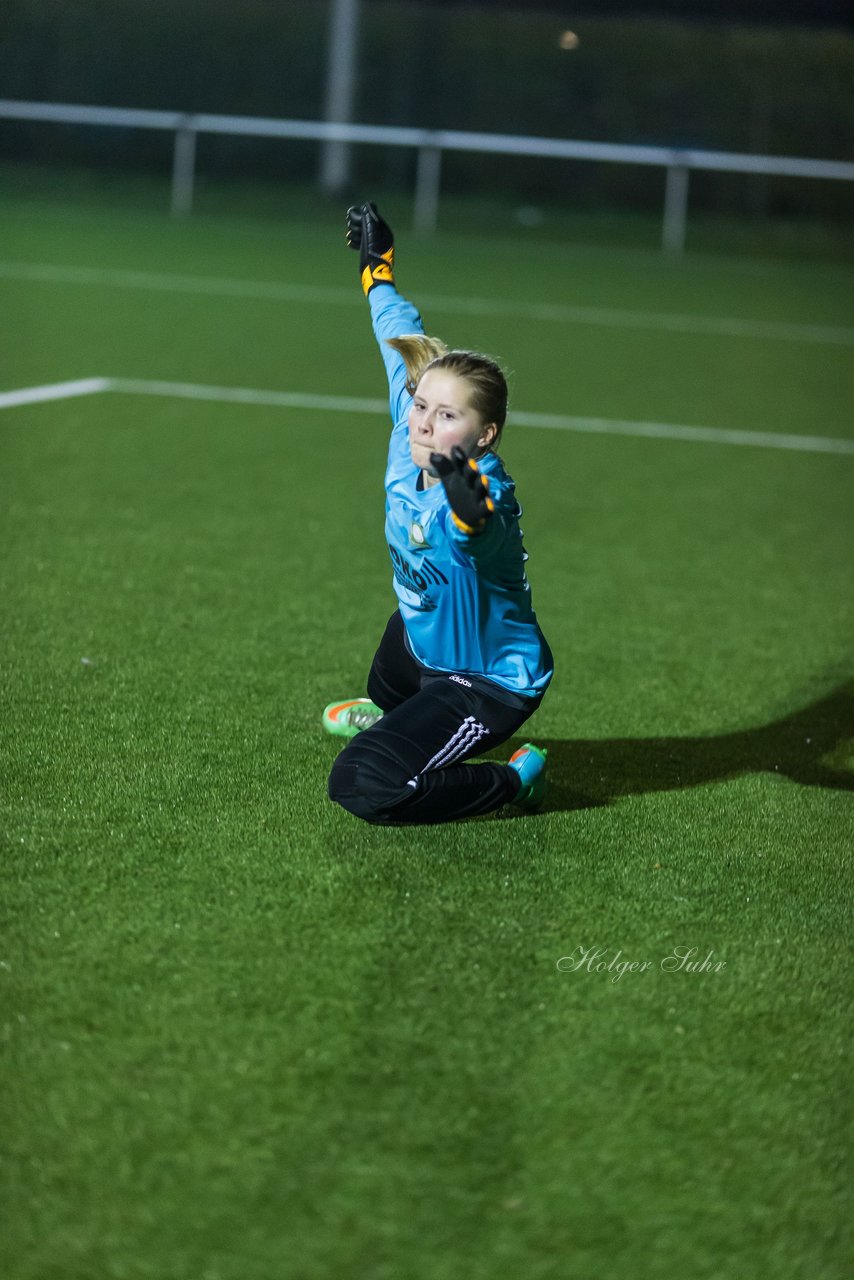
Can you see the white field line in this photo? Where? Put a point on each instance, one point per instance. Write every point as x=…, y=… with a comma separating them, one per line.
x=53, y=391
x=354, y=404
x=245, y=395
x=608, y=317
x=698, y=435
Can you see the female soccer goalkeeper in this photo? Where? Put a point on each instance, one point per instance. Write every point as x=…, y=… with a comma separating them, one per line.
x=462, y=663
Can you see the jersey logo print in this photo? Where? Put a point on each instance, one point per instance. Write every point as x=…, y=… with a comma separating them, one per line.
x=418, y=581
x=417, y=538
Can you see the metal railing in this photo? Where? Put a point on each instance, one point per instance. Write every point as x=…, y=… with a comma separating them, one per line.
x=430, y=144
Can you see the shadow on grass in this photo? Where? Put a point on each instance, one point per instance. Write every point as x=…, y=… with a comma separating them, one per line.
x=586, y=773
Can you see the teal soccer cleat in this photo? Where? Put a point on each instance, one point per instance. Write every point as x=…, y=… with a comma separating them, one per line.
x=530, y=764
x=346, y=719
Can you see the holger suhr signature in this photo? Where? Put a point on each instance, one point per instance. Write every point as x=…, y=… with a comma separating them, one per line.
x=602, y=960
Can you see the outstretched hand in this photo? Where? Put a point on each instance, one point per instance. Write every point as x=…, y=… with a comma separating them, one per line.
x=371, y=235
x=466, y=488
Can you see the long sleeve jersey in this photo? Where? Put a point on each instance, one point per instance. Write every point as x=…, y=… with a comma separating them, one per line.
x=464, y=599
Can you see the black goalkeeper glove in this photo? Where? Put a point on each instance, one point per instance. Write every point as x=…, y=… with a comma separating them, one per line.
x=466, y=488
x=374, y=239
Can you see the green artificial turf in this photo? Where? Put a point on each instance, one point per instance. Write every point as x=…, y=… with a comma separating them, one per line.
x=247, y=1037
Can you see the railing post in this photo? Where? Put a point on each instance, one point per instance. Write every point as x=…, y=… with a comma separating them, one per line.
x=183, y=167
x=341, y=75
x=675, y=209
x=427, y=179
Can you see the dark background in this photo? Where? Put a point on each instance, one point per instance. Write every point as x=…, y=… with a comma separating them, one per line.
x=771, y=78
x=774, y=12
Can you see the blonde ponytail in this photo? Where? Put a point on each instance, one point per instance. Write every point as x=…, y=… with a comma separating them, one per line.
x=418, y=351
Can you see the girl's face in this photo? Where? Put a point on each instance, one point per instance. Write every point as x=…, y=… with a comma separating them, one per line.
x=441, y=416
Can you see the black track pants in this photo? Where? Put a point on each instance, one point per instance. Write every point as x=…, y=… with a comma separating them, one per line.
x=409, y=767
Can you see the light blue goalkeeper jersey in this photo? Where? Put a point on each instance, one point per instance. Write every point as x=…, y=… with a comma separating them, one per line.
x=465, y=600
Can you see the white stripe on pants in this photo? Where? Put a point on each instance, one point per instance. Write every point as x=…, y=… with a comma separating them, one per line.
x=469, y=732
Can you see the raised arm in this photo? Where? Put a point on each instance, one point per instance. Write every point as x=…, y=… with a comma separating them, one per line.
x=391, y=315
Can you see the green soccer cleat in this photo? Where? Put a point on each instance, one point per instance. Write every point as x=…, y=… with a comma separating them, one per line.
x=346, y=719
x=530, y=764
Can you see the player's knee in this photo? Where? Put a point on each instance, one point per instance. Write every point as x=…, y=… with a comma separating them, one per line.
x=362, y=790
